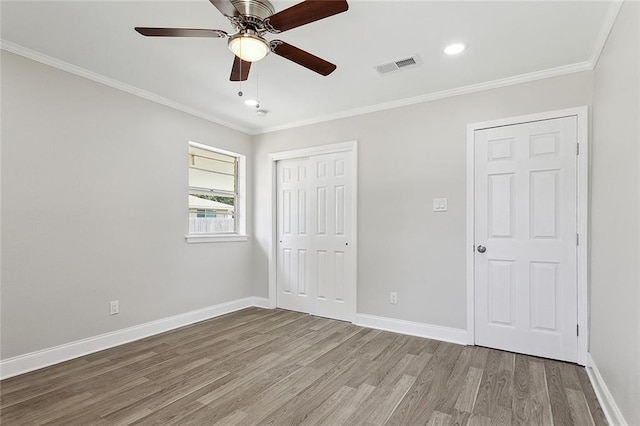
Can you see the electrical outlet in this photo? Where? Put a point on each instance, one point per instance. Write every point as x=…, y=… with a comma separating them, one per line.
x=115, y=307
x=394, y=298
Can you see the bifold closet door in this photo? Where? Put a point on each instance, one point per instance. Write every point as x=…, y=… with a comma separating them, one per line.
x=316, y=264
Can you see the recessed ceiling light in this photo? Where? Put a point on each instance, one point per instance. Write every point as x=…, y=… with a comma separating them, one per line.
x=251, y=102
x=454, y=49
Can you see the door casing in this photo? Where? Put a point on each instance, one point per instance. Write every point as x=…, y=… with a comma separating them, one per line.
x=351, y=146
x=582, y=191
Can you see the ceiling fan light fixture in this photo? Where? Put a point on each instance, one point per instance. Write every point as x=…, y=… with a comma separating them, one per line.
x=248, y=47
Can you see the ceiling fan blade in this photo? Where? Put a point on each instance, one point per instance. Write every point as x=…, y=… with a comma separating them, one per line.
x=306, y=12
x=225, y=7
x=301, y=57
x=240, y=70
x=180, y=32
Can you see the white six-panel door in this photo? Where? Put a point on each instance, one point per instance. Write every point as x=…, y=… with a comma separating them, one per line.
x=294, y=249
x=525, y=238
x=315, y=261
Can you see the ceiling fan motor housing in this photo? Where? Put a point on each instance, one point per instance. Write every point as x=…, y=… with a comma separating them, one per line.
x=254, y=11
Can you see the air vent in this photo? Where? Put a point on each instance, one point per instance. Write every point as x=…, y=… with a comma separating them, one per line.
x=405, y=62
x=400, y=64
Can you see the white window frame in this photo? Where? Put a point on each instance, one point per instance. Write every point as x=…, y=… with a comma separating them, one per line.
x=241, y=202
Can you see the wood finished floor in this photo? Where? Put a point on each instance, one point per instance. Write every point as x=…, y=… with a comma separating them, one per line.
x=278, y=367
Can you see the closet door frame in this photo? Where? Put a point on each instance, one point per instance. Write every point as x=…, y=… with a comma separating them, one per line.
x=350, y=146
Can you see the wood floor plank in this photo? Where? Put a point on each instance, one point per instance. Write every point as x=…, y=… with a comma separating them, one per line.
x=521, y=391
x=340, y=415
x=557, y=394
x=238, y=394
x=360, y=339
x=318, y=392
x=501, y=417
x=459, y=418
x=35, y=386
x=569, y=374
x=421, y=361
x=467, y=397
x=43, y=408
x=277, y=398
x=387, y=406
x=539, y=406
x=495, y=386
x=315, y=372
x=58, y=382
x=387, y=368
x=422, y=398
x=265, y=362
x=578, y=408
x=333, y=403
x=479, y=359
x=439, y=419
x=84, y=419
x=236, y=418
x=171, y=391
x=259, y=366
x=455, y=382
x=173, y=412
x=383, y=389
x=478, y=420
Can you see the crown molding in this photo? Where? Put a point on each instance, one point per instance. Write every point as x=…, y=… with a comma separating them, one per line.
x=99, y=78
x=589, y=65
x=603, y=35
x=605, y=30
x=494, y=84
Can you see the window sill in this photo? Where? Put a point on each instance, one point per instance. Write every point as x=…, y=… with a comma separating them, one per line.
x=212, y=238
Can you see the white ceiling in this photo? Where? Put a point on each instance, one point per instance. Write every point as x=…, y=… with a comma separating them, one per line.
x=505, y=40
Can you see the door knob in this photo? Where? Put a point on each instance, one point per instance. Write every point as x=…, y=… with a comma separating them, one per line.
x=482, y=249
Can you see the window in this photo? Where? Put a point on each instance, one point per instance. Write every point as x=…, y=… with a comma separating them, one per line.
x=216, y=194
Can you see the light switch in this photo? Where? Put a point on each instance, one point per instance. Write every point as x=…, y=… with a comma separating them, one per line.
x=439, y=204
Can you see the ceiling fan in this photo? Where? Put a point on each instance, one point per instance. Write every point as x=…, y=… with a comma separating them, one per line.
x=252, y=19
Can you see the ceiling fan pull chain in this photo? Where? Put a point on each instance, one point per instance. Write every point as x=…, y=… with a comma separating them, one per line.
x=240, y=80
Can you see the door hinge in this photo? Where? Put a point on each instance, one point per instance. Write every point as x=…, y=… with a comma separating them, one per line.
x=577, y=149
x=577, y=329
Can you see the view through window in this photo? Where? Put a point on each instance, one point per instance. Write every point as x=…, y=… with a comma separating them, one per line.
x=213, y=191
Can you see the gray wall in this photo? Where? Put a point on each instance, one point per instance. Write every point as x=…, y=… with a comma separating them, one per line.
x=94, y=208
x=408, y=156
x=615, y=214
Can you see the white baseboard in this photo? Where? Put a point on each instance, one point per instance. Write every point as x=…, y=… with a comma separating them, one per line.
x=35, y=360
x=437, y=332
x=261, y=302
x=608, y=404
